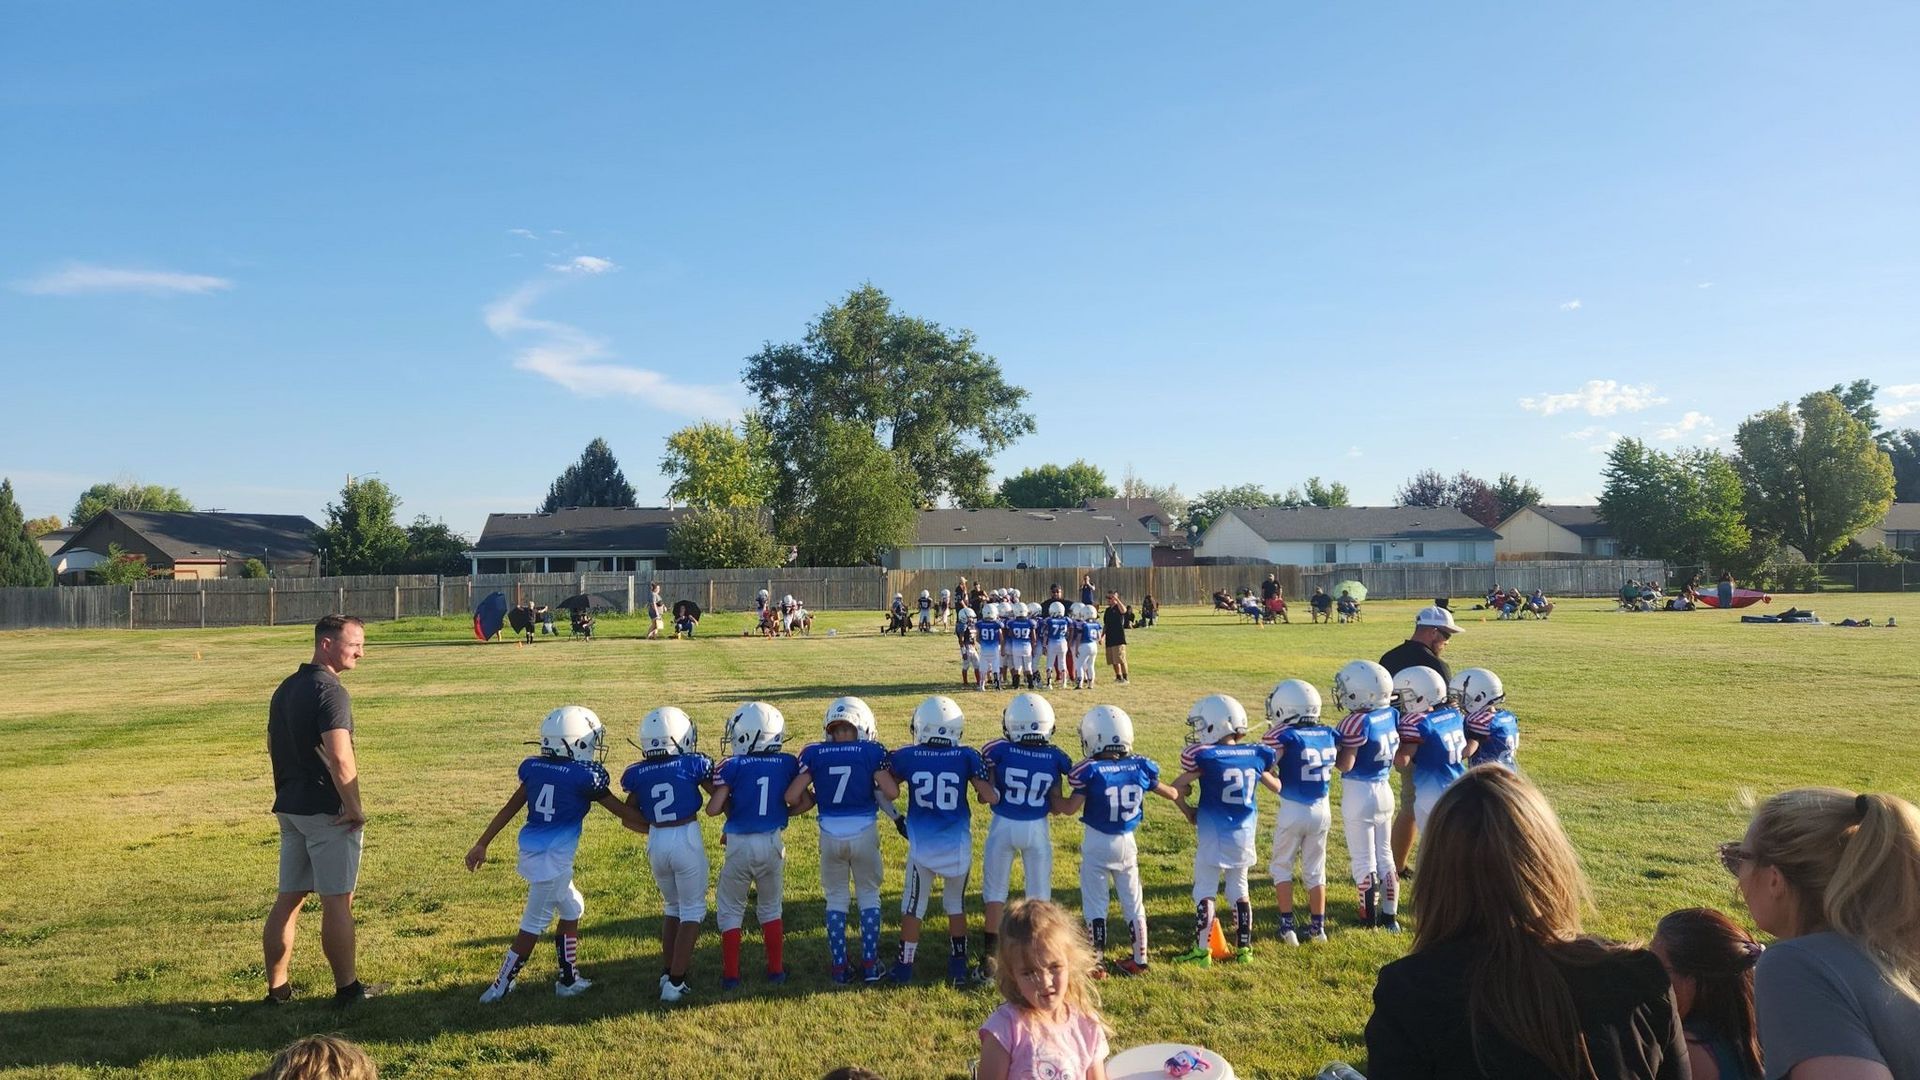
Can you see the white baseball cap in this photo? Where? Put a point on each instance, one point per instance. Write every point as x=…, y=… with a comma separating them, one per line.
x=1437, y=617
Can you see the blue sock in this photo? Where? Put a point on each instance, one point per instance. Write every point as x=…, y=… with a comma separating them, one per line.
x=837, y=937
x=1319, y=923
x=870, y=935
x=1286, y=921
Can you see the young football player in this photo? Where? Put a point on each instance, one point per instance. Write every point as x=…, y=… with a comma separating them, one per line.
x=989, y=629
x=1369, y=738
x=1086, y=645
x=943, y=610
x=750, y=788
x=1026, y=769
x=845, y=772
x=1433, y=738
x=1307, y=752
x=665, y=786
x=968, y=636
x=1226, y=818
x=1017, y=653
x=1479, y=694
x=558, y=786
x=935, y=770
x=1056, y=627
x=926, y=611
x=1108, y=789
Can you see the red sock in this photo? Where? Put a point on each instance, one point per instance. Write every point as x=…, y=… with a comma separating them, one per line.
x=774, y=934
x=730, y=954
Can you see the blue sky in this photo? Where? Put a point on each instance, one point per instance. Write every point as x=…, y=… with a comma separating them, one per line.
x=250, y=249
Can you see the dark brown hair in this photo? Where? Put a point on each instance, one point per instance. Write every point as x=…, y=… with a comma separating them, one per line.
x=1718, y=956
x=330, y=626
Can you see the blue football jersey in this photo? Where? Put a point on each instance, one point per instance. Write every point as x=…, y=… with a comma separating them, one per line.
x=842, y=776
x=1114, y=788
x=1025, y=777
x=1229, y=776
x=1499, y=735
x=758, y=783
x=1307, y=754
x=668, y=789
x=1440, y=759
x=1090, y=631
x=1057, y=627
x=560, y=791
x=1020, y=631
x=936, y=779
x=1376, y=736
x=989, y=631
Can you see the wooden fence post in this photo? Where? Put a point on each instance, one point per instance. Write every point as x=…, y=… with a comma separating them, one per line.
x=629, y=608
x=396, y=603
x=710, y=611
x=343, y=600
x=440, y=586
x=270, y=600
x=203, y=604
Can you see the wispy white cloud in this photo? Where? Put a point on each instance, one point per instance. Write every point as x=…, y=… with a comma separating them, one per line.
x=1355, y=451
x=1906, y=401
x=1589, y=432
x=584, y=364
x=584, y=264
x=1599, y=397
x=1711, y=439
x=1570, y=305
x=524, y=234
x=1604, y=443
x=1686, y=425
x=78, y=278
x=1704, y=285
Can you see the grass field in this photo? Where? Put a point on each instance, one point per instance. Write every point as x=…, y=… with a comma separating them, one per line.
x=137, y=857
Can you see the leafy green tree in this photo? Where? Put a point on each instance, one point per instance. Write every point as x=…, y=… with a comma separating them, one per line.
x=1210, y=504
x=1055, y=486
x=254, y=568
x=1813, y=473
x=21, y=560
x=724, y=538
x=1329, y=495
x=1857, y=398
x=1903, y=447
x=360, y=536
x=594, y=480
x=858, y=500
x=1514, y=494
x=434, y=548
x=925, y=393
x=1169, y=496
x=1685, y=508
x=717, y=465
x=1424, y=488
x=131, y=495
x=121, y=568
x=41, y=526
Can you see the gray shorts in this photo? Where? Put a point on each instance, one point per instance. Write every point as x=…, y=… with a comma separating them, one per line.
x=318, y=856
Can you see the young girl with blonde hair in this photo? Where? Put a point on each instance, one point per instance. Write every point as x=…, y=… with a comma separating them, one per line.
x=1050, y=1025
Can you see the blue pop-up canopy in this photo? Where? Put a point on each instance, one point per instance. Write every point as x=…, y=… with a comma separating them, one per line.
x=488, y=615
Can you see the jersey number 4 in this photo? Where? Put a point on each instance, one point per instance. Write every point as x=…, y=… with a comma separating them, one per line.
x=543, y=802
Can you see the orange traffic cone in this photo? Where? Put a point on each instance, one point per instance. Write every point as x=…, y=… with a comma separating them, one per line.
x=1217, y=943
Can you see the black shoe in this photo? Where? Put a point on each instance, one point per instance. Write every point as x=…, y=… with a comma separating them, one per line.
x=272, y=999
x=358, y=991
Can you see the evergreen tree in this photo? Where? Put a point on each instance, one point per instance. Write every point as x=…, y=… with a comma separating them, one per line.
x=21, y=561
x=594, y=480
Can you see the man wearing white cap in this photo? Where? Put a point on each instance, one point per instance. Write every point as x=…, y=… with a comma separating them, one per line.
x=1432, y=626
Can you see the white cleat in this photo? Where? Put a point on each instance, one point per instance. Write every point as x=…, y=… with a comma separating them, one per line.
x=1319, y=936
x=494, y=992
x=1290, y=938
x=670, y=992
x=580, y=985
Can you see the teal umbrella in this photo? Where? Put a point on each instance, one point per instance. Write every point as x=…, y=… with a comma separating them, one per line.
x=1353, y=588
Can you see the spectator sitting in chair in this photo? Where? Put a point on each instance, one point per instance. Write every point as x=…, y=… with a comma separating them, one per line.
x=1321, y=605
x=1348, y=607
x=582, y=621
x=1276, y=607
x=1222, y=601
x=1539, y=605
x=1250, y=607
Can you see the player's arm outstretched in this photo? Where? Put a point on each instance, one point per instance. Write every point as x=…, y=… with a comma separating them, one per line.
x=717, y=805
x=984, y=792
x=478, y=853
x=629, y=814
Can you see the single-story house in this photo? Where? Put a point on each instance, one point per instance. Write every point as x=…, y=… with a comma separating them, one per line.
x=1899, y=530
x=1313, y=535
x=1011, y=539
x=578, y=538
x=1170, y=546
x=1555, y=531
x=199, y=544
x=69, y=568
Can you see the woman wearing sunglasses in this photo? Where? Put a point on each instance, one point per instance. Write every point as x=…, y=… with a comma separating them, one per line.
x=1836, y=877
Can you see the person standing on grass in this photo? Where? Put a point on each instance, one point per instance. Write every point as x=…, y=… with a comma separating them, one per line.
x=1114, y=633
x=656, y=611
x=316, y=796
x=1432, y=628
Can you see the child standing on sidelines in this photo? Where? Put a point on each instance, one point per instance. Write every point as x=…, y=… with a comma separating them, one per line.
x=988, y=628
x=936, y=769
x=1230, y=773
x=750, y=788
x=1479, y=693
x=1086, y=644
x=845, y=772
x=969, y=639
x=1108, y=789
x=1307, y=753
x=558, y=787
x=665, y=787
x=1433, y=739
x=1016, y=654
x=1057, y=627
x=1025, y=768
x=1049, y=1025
x=1369, y=738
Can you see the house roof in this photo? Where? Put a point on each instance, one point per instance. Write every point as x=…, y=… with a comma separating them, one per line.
x=1903, y=517
x=580, y=528
x=190, y=535
x=1321, y=524
x=1027, y=527
x=1138, y=509
x=52, y=541
x=1581, y=521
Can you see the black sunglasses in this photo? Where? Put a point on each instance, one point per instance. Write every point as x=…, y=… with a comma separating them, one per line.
x=1732, y=855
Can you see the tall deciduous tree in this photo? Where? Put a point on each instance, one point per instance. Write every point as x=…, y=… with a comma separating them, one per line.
x=1485, y=503
x=1515, y=494
x=21, y=560
x=434, y=548
x=857, y=500
x=1813, y=473
x=926, y=393
x=1857, y=398
x=1685, y=508
x=1210, y=504
x=1169, y=496
x=724, y=538
x=41, y=526
x=131, y=495
x=1424, y=488
x=360, y=536
x=594, y=480
x=1055, y=485
x=1329, y=495
x=711, y=464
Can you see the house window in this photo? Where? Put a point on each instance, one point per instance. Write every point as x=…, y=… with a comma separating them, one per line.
x=1419, y=550
x=990, y=555
x=1378, y=553
x=1329, y=553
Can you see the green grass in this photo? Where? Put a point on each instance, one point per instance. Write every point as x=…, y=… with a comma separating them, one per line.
x=138, y=856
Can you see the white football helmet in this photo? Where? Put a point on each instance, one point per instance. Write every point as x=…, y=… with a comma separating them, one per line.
x=574, y=732
x=851, y=710
x=1082, y=611
x=925, y=595
x=1056, y=609
x=1294, y=701
x=966, y=614
x=1362, y=686
x=990, y=611
x=1106, y=727
x=1015, y=593
x=666, y=732
x=1213, y=718
x=938, y=721
x=1419, y=689
x=1477, y=688
x=754, y=727
x=1028, y=719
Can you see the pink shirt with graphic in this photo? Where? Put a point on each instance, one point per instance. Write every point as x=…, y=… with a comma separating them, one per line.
x=1047, y=1051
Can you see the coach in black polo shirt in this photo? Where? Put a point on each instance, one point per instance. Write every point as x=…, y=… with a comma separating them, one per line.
x=316, y=796
x=1432, y=626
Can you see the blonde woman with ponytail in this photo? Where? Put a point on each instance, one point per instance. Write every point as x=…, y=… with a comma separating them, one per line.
x=1501, y=983
x=1836, y=877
